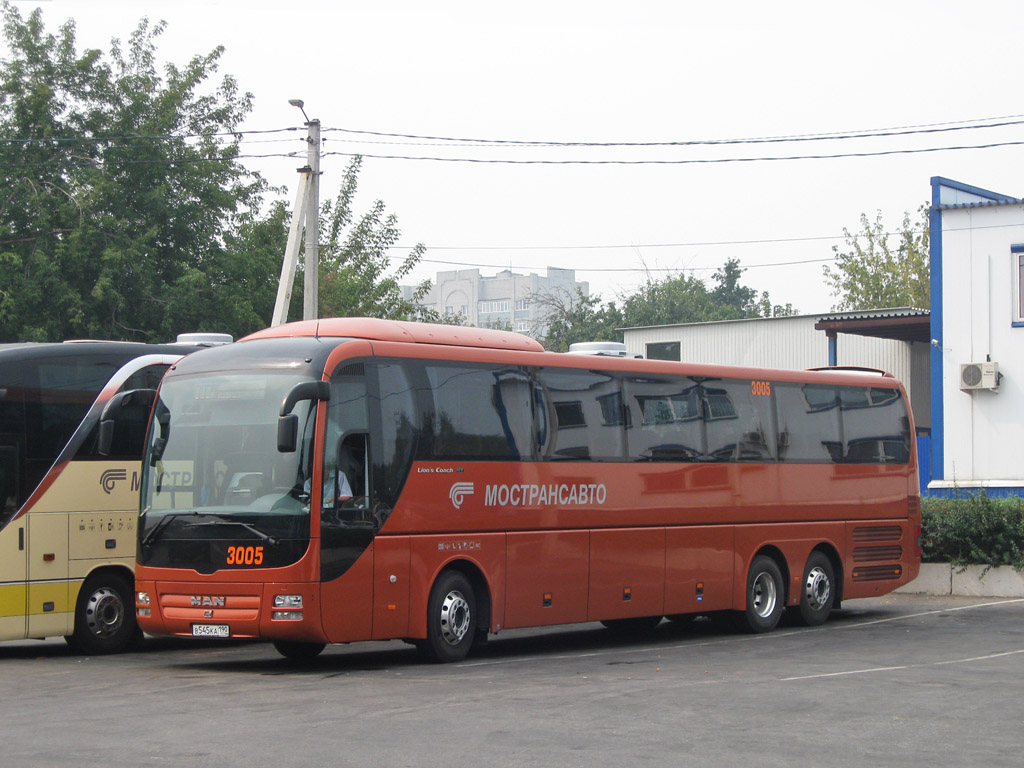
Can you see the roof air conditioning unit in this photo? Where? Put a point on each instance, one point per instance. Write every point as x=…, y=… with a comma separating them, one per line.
x=979, y=376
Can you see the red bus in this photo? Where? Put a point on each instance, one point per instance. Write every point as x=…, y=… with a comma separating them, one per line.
x=354, y=479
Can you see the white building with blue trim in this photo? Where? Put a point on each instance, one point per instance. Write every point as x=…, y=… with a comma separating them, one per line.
x=977, y=330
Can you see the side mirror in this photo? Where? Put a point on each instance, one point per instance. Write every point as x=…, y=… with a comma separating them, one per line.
x=288, y=423
x=113, y=409
x=287, y=433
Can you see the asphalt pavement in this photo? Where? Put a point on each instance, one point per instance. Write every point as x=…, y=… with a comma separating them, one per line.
x=901, y=680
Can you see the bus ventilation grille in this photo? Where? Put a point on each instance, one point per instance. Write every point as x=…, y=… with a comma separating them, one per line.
x=874, y=554
x=878, y=533
x=877, y=572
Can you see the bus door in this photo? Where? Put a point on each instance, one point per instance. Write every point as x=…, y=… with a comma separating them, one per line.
x=49, y=611
x=12, y=532
x=12, y=555
x=347, y=527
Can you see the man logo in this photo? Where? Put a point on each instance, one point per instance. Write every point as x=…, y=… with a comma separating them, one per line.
x=111, y=476
x=459, y=492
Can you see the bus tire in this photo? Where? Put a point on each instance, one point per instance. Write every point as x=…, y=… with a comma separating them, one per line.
x=104, y=616
x=817, y=590
x=765, y=597
x=451, y=619
x=297, y=651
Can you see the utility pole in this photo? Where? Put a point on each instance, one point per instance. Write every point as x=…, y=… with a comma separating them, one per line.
x=306, y=212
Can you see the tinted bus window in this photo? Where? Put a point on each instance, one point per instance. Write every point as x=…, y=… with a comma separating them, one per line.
x=585, y=414
x=876, y=428
x=480, y=412
x=665, y=414
x=396, y=427
x=12, y=442
x=740, y=424
x=810, y=428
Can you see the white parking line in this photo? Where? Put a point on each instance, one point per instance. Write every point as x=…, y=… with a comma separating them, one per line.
x=830, y=627
x=907, y=666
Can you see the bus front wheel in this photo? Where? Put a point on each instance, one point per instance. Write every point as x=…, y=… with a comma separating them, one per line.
x=298, y=652
x=451, y=619
x=104, y=616
x=765, y=596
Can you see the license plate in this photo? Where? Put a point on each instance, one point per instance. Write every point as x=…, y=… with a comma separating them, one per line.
x=210, y=630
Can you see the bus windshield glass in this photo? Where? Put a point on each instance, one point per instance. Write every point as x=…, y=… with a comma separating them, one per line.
x=213, y=480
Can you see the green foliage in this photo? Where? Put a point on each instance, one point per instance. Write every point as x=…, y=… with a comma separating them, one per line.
x=973, y=530
x=125, y=214
x=356, y=274
x=687, y=299
x=872, y=274
x=118, y=190
x=573, y=317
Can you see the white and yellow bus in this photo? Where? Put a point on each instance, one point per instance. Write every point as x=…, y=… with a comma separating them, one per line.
x=68, y=514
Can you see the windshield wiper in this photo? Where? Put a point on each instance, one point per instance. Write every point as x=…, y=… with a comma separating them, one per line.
x=255, y=531
x=158, y=529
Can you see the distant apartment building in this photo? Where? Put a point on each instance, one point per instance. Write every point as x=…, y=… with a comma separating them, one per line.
x=506, y=300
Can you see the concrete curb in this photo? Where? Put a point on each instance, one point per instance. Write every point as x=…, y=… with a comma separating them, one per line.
x=968, y=581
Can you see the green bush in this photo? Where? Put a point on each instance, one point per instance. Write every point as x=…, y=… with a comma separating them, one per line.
x=973, y=530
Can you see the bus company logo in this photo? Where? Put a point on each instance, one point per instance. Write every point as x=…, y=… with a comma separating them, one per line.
x=110, y=477
x=546, y=495
x=205, y=600
x=459, y=492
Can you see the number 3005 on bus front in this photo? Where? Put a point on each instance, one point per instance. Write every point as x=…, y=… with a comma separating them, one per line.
x=245, y=556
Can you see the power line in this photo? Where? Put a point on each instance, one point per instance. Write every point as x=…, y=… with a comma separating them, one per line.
x=140, y=137
x=631, y=269
x=691, y=244
x=692, y=161
x=962, y=125
x=100, y=163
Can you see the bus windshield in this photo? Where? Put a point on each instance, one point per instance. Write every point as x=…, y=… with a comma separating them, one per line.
x=213, y=480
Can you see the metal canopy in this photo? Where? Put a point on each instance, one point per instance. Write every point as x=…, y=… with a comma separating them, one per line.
x=903, y=325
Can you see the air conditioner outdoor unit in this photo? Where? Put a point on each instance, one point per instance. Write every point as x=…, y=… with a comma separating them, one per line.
x=979, y=376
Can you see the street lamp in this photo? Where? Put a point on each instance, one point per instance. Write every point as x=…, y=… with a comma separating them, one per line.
x=300, y=104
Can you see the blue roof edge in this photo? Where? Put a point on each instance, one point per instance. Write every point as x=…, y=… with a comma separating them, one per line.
x=941, y=181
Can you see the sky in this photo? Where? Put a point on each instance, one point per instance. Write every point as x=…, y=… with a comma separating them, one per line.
x=597, y=72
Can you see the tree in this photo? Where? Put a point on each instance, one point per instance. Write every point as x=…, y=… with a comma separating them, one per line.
x=356, y=274
x=120, y=183
x=687, y=299
x=571, y=317
x=872, y=274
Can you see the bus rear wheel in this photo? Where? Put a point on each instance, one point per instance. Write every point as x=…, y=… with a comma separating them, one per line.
x=104, y=616
x=765, y=597
x=451, y=619
x=818, y=590
x=297, y=651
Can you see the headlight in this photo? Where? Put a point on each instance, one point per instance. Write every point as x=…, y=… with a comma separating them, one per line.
x=287, y=601
x=287, y=615
x=144, y=612
x=142, y=598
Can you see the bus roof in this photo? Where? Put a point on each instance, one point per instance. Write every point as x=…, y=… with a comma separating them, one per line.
x=33, y=350
x=375, y=329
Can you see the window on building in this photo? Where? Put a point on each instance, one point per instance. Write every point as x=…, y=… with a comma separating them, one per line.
x=522, y=326
x=665, y=350
x=487, y=307
x=1018, y=284
x=522, y=304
